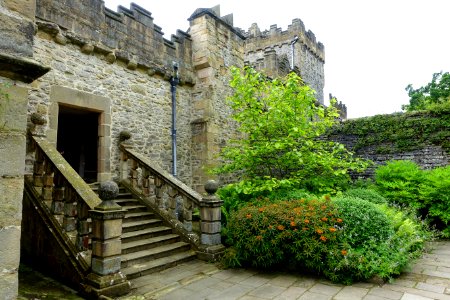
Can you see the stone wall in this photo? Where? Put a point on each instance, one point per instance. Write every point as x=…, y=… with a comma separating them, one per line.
x=122, y=56
x=216, y=46
x=140, y=101
x=271, y=51
x=422, y=137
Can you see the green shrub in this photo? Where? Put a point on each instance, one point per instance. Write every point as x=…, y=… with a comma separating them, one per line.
x=296, y=233
x=399, y=182
x=435, y=194
x=366, y=194
x=380, y=240
x=426, y=191
x=346, y=240
x=363, y=221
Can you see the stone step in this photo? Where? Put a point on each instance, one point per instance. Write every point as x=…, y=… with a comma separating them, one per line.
x=156, y=265
x=127, y=202
x=153, y=253
x=145, y=233
x=135, y=208
x=145, y=244
x=137, y=216
x=139, y=225
x=123, y=194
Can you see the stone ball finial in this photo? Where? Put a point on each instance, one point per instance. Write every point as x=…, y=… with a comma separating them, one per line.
x=124, y=135
x=38, y=119
x=108, y=190
x=211, y=187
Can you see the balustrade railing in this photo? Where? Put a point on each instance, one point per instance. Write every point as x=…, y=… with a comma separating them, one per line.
x=169, y=196
x=67, y=197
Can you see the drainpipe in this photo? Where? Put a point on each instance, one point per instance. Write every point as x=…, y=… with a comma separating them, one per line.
x=292, y=51
x=174, y=80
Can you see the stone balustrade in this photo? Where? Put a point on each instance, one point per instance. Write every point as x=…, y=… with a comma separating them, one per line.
x=165, y=193
x=175, y=201
x=66, y=195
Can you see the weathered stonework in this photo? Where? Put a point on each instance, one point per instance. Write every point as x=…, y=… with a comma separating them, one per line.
x=216, y=47
x=12, y=154
x=271, y=51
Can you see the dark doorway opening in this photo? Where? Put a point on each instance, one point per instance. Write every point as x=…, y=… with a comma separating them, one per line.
x=78, y=140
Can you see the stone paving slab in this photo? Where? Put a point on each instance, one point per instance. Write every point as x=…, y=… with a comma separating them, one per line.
x=429, y=278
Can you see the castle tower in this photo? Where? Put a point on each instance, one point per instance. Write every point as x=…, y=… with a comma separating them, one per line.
x=275, y=51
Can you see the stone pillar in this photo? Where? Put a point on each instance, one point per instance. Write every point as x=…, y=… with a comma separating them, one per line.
x=211, y=247
x=106, y=278
x=16, y=52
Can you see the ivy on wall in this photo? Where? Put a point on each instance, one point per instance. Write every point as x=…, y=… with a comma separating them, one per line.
x=399, y=132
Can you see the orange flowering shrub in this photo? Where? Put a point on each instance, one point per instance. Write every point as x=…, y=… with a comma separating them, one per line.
x=297, y=233
x=345, y=239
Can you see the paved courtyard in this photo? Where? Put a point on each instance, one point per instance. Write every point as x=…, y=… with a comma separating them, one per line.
x=428, y=279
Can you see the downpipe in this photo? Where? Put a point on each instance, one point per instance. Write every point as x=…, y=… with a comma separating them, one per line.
x=174, y=81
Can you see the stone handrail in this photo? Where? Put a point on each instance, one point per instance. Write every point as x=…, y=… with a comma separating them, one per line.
x=171, y=198
x=66, y=195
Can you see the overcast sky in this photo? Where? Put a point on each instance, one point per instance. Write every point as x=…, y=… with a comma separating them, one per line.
x=373, y=49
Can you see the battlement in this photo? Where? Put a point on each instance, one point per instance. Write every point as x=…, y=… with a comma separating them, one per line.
x=128, y=34
x=275, y=36
x=214, y=12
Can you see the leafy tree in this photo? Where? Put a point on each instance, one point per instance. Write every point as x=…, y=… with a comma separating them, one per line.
x=281, y=125
x=435, y=92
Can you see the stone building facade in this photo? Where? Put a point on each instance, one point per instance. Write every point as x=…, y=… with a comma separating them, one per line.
x=116, y=67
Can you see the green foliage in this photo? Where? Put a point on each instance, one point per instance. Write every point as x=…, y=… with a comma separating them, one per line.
x=399, y=181
x=296, y=233
x=280, y=146
x=346, y=240
x=435, y=195
x=383, y=254
x=435, y=92
x=425, y=190
x=363, y=221
x=233, y=199
x=365, y=194
x=399, y=132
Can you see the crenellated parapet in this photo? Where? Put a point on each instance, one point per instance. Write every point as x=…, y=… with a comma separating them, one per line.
x=278, y=52
x=276, y=37
x=128, y=35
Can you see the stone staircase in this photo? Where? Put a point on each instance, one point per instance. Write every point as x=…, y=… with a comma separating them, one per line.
x=148, y=244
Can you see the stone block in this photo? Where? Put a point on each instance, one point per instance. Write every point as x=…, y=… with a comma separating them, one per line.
x=17, y=35
x=9, y=247
x=210, y=213
x=112, y=285
x=70, y=209
x=13, y=113
x=12, y=154
x=83, y=242
x=105, y=266
x=9, y=285
x=210, y=227
x=106, y=229
x=57, y=208
x=210, y=239
x=69, y=223
x=47, y=193
x=26, y=8
x=83, y=227
x=11, y=201
x=106, y=248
